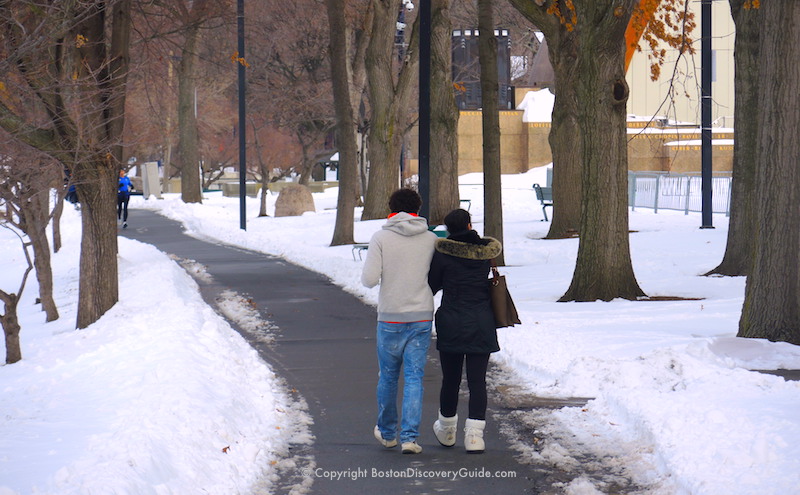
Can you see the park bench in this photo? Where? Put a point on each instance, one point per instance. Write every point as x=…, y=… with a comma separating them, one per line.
x=545, y=196
x=359, y=248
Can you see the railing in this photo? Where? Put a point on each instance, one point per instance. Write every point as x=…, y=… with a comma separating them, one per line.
x=682, y=192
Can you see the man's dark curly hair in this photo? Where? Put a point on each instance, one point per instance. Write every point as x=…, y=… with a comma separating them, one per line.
x=406, y=200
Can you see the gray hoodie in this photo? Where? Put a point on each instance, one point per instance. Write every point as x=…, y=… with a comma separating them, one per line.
x=399, y=258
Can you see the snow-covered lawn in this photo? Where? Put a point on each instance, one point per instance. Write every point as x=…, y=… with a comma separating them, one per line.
x=151, y=399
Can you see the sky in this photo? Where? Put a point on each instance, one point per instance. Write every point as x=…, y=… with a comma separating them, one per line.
x=162, y=396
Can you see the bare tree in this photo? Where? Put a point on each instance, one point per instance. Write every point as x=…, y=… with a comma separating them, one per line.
x=276, y=153
x=390, y=84
x=25, y=185
x=9, y=319
x=590, y=36
x=772, y=296
x=289, y=79
x=71, y=63
x=603, y=269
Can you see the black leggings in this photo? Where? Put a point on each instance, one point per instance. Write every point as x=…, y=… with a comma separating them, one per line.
x=122, y=206
x=452, y=365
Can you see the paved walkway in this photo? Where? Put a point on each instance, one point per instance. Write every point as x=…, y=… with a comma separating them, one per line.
x=325, y=349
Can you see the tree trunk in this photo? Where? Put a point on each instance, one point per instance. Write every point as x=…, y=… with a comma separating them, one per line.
x=738, y=257
x=389, y=95
x=98, y=174
x=188, y=155
x=11, y=327
x=772, y=295
x=490, y=116
x=565, y=143
x=265, y=178
x=58, y=210
x=603, y=269
x=444, y=118
x=345, y=124
x=98, y=285
x=38, y=212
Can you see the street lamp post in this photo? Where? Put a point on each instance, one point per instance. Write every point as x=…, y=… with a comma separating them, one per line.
x=705, y=116
x=242, y=117
x=424, y=105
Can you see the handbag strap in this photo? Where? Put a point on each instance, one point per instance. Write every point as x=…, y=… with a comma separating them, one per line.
x=495, y=273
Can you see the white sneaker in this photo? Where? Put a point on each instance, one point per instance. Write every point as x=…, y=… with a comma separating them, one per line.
x=411, y=448
x=386, y=443
x=445, y=430
x=474, y=436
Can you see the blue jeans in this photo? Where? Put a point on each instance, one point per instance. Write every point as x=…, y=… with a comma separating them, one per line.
x=401, y=345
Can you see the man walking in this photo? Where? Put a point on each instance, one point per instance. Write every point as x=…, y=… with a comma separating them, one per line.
x=399, y=258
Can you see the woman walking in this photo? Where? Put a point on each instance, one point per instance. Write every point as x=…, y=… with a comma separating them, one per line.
x=465, y=328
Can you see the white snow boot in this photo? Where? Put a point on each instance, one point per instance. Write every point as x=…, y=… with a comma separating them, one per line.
x=445, y=430
x=473, y=440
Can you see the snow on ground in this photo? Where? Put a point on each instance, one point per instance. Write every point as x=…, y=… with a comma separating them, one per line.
x=674, y=401
x=160, y=396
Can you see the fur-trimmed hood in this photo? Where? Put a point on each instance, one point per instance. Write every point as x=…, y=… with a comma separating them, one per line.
x=469, y=250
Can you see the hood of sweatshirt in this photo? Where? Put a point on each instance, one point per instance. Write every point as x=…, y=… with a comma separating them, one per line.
x=406, y=224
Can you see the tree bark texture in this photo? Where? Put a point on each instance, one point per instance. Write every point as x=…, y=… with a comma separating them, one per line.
x=388, y=98
x=98, y=285
x=9, y=318
x=772, y=295
x=565, y=141
x=444, y=118
x=38, y=211
x=738, y=256
x=345, y=124
x=188, y=142
x=58, y=210
x=566, y=145
x=603, y=269
x=11, y=328
x=490, y=120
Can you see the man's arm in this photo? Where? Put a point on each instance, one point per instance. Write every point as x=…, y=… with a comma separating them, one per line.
x=371, y=274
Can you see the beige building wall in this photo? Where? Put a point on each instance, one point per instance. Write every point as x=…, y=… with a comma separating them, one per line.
x=513, y=142
x=680, y=99
x=525, y=145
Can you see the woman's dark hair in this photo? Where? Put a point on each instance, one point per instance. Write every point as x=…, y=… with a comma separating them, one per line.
x=406, y=200
x=457, y=221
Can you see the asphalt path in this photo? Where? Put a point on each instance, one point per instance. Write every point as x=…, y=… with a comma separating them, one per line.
x=324, y=349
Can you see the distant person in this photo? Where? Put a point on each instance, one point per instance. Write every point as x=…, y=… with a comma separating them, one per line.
x=465, y=329
x=123, y=197
x=398, y=258
x=72, y=195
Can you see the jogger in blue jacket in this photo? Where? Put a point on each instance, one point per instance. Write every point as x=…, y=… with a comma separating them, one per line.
x=123, y=196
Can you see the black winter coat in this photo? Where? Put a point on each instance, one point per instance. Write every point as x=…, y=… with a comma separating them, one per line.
x=460, y=268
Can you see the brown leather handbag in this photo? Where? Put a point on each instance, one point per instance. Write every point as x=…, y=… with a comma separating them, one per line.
x=505, y=313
